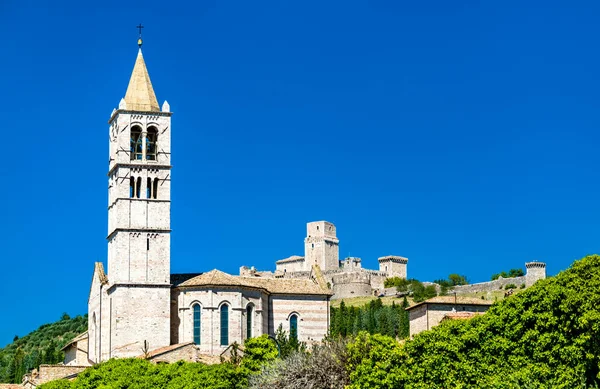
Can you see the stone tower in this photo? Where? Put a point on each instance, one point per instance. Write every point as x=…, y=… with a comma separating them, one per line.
x=139, y=206
x=321, y=246
x=535, y=271
x=393, y=266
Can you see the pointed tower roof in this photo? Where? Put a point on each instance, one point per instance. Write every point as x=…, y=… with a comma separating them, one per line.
x=140, y=94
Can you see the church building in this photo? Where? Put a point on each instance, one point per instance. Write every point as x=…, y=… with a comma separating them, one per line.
x=136, y=305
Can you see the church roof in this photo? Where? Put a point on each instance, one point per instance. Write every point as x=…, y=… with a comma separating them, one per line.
x=75, y=340
x=99, y=270
x=293, y=258
x=271, y=285
x=140, y=94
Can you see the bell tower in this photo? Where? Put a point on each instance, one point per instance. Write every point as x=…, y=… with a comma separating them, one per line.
x=139, y=207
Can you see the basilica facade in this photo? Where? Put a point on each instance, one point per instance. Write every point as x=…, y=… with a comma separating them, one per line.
x=136, y=305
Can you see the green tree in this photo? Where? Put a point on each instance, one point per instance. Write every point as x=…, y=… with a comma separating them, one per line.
x=457, y=279
x=18, y=368
x=547, y=336
x=517, y=272
x=288, y=343
x=257, y=352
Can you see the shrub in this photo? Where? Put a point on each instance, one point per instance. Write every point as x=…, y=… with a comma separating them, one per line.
x=323, y=367
x=257, y=352
x=512, y=273
x=547, y=336
x=510, y=286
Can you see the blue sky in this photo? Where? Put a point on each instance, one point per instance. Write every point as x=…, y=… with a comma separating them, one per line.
x=462, y=135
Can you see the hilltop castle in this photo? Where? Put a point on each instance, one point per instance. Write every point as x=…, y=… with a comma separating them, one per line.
x=347, y=278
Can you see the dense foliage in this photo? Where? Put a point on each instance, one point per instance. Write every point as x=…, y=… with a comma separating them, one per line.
x=511, y=274
x=139, y=373
x=40, y=346
x=547, y=336
x=323, y=367
x=372, y=318
x=412, y=287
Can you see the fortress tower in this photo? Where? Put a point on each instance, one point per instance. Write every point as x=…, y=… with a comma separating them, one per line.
x=321, y=246
x=535, y=271
x=393, y=266
x=131, y=304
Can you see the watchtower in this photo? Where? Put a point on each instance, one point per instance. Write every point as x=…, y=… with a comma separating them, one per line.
x=321, y=246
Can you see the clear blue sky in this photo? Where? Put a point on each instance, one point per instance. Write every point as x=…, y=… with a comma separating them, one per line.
x=462, y=135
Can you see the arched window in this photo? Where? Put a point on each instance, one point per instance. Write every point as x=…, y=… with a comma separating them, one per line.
x=94, y=337
x=294, y=326
x=249, y=313
x=155, y=188
x=148, y=187
x=197, y=323
x=131, y=187
x=151, y=137
x=224, y=325
x=135, y=144
x=138, y=187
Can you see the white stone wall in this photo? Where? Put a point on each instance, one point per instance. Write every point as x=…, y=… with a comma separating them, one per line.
x=210, y=301
x=139, y=256
x=535, y=271
x=120, y=126
x=312, y=311
x=291, y=266
x=427, y=316
x=269, y=312
x=393, y=266
x=76, y=354
x=98, y=329
x=137, y=313
x=135, y=306
x=351, y=284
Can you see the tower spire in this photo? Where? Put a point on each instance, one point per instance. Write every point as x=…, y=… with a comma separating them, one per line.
x=140, y=93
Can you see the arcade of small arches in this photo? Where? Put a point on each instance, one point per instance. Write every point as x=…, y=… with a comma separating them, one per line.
x=135, y=187
x=143, y=144
x=224, y=323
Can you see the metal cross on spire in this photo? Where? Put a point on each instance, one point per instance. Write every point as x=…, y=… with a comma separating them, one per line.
x=140, y=42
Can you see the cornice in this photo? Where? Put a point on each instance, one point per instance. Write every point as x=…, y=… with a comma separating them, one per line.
x=148, y=113
x=138, y=230
x=137, y=166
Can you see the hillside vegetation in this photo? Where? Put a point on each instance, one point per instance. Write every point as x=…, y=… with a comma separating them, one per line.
x=547, y=336
x=40, y=346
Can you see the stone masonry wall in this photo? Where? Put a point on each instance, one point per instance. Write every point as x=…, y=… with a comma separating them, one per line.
x=490, y=286
x=428, y=316
x=48, y=373
x=351, y=284
x=185, y=353
x=312, y=311
x=210, y=301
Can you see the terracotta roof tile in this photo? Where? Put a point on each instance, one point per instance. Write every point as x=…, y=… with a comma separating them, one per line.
x=463, y=315
x=164, y=350
x=76, y=339
x=293, y=258
x=271, y=285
